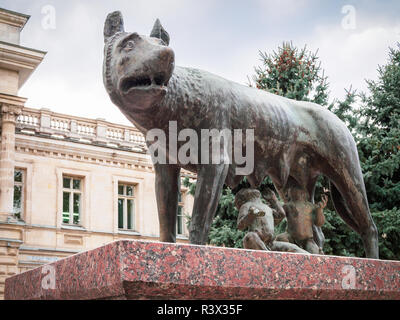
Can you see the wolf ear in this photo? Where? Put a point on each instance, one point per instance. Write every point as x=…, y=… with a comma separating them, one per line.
x=159, y=32
x=114, y=23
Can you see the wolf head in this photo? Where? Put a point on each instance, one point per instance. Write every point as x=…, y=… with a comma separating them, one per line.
x=136, y=68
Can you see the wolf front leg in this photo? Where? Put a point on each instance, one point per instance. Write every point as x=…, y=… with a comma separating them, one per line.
x=167, y=188
x=210, y=180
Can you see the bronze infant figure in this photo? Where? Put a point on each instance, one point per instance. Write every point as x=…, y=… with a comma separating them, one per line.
x=301, y=215
x=258, y=219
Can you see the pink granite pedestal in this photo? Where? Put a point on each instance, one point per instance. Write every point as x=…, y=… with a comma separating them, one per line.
x=154, y=270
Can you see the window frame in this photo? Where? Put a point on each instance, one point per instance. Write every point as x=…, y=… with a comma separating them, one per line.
x=125, y=197
x=181, y=204
x=27, y=166
x=138, y=182
x=23, y=193
x=72, y=192
x=85, y=177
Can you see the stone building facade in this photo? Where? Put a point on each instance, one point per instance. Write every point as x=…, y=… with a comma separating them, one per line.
x=67, y=184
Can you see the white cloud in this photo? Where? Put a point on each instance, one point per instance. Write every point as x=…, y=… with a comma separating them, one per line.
x=283, y=9
x=350, y=57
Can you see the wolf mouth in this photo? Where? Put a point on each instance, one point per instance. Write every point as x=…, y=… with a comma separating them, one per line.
x=143, y=82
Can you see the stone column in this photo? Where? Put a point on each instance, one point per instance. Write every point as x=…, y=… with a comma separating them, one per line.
x=9, y=114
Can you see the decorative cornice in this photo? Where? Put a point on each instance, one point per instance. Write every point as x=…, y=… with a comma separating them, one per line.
x=81, y=154
x=21, y=59
x=85, y=153
x=8, y=99
x=12, y=18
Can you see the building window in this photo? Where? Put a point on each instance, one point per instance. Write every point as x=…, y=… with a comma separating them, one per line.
x=19, y=182
x=72, y=200
x=180, y=219
x=126, y=206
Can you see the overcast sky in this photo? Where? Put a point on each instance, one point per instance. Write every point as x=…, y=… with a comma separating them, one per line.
x=220, y=36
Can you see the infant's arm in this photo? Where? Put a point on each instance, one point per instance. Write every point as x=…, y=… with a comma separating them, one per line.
x=318, y=216
x=245, y=219
x=277, y=210
x=279, y=215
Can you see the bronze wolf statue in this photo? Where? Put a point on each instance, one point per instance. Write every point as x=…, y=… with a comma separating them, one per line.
x=294, y=141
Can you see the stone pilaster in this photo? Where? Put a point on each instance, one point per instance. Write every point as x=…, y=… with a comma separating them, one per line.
x=9, y=254
x=101, y=130
x=9, y=114
x=10, y=235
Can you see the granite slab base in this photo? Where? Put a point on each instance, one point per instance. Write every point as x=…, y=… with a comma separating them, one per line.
x=154, y=270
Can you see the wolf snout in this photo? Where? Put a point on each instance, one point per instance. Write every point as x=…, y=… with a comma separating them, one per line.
x=166, y=59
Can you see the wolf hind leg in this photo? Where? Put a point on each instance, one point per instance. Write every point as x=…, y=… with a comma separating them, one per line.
x=351, y=204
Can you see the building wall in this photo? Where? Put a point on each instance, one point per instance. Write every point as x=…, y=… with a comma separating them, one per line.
x=100, y=171
x=9, y=81
x=9, y=33
x=40, y=236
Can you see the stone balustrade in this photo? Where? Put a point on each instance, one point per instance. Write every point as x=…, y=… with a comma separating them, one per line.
x=60, y=126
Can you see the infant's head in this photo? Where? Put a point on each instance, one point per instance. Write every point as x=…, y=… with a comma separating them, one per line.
x=246, y=195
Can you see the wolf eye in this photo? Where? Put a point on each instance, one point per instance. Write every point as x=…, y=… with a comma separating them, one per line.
x=129, y=45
